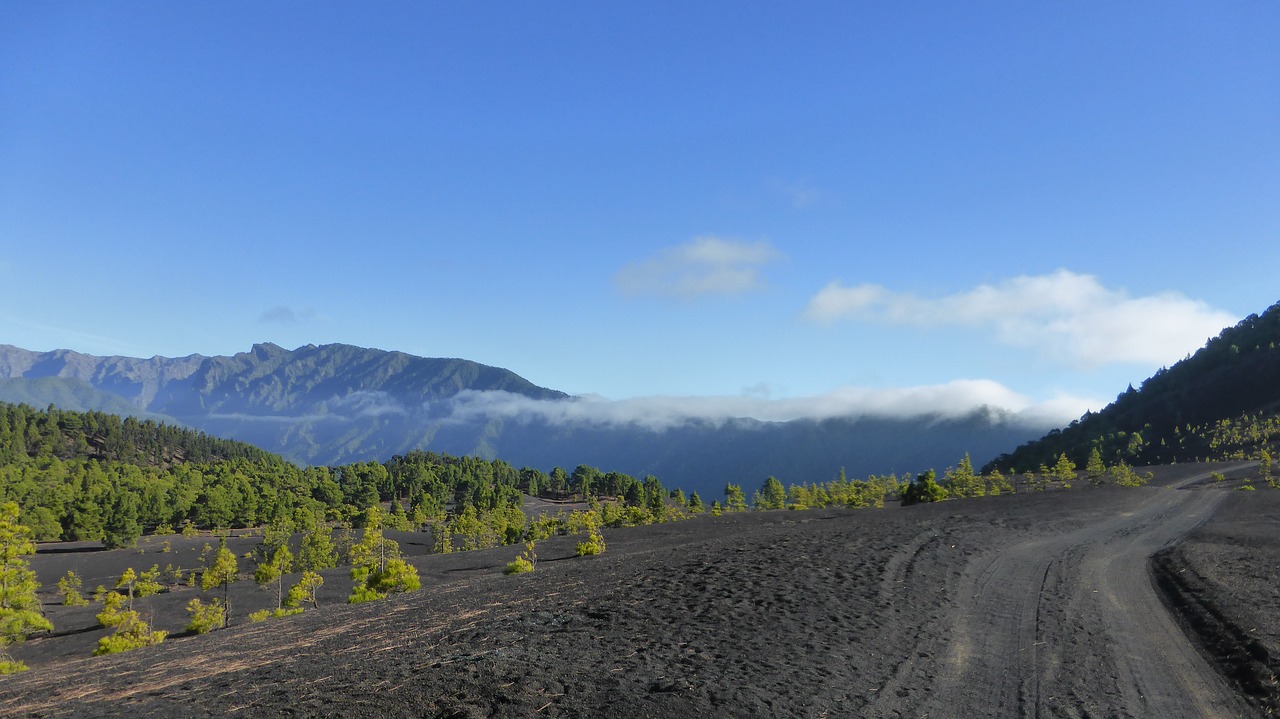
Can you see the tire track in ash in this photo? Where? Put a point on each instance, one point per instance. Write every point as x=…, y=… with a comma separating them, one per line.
x=1071, y=626
x=1158, y=671
x=899, y=571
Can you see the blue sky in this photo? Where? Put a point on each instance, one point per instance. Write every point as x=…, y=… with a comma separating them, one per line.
x=760, y=210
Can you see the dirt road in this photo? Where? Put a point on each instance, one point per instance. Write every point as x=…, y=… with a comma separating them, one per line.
x=1071, y=626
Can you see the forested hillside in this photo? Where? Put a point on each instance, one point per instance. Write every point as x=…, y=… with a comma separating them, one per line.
x=63, y=434
x=1222, y=402
x=93, y=476
x=88, y=476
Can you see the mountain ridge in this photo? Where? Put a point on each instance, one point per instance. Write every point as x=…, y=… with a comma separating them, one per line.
x=333, y=404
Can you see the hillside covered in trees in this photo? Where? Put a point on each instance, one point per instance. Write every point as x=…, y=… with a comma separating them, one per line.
x=26, y=432
x=94, y=476
x=1223, y=402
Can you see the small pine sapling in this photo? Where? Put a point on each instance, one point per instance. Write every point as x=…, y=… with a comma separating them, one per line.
x=304, y=592
x=595, y=541
x=263, y=615
x=20, y=612
x=1094, y=470
x=131, y=632
x=273, y=571
x=526, y=562
x=377, y=569
x=222, y=571
x=69, y=587
x=997, y=484
x=205, y=616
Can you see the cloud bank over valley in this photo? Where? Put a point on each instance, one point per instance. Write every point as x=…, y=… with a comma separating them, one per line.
x=952, y=400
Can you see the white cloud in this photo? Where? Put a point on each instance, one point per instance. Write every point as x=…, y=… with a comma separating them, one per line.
x=1062, y=314
x=800, y=194
x=274, y=418
x=952, y=400
x=367, y=403
x=703, y=266
x=281, y=314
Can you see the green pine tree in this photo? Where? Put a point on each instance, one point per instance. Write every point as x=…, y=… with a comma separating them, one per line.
x=962, y=482
x=695, y=503
x=222, y=571
x=121, y=527
x=772, y=495
x=1064, y=470
x=280, y=564
x=304, y=591
x=734, y=498
x=317, y=551
x=1095, y=470
x=20, y=614
x=924, y=489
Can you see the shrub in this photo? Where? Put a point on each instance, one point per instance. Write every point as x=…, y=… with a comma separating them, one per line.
x=593, y=545
x=525, y=562
x=362, y=593
x=1124, y=476
x=519, y=565
x=69, y=588
x=113, y=613
x=204, y=617
x=304, y=591
x=997, y=484
x=135, y=634
x=263, y=615
x=372, y=583
x=399, y=576
x=130, y=631
x=924, y=489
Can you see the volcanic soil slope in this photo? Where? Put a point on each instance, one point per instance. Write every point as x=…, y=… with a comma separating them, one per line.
x=1034, y=605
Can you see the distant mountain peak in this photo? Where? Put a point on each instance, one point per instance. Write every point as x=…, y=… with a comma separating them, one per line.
x=267, y=349
x=267, y=379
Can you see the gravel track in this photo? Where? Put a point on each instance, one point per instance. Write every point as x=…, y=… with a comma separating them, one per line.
x=1070, y=625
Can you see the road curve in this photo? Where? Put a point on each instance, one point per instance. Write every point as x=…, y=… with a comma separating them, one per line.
x=1071, y=626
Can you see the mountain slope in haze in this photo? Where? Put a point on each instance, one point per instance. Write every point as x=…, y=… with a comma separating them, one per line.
x=136, y=380
x=1184, y=412
x=268, y=380
x=326, y=404
x=704, y=456
x=67, y=393
x=335, y=404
